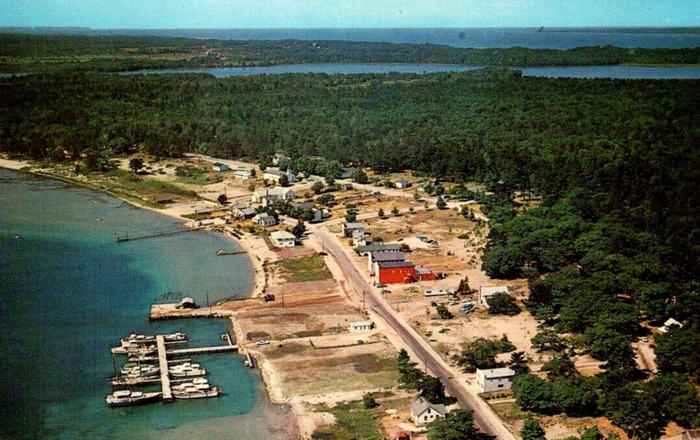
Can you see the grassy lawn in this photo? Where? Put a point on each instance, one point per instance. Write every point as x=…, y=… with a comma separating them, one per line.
x=308, y=268
x=353, y=422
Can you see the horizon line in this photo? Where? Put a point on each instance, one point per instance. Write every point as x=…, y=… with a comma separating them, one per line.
x=349, y=28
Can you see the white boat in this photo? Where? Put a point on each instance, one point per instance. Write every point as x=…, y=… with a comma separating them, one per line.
x=131, y=368
x=137, y=342
x=199, y=382
x=134, y=350
x=127, y=398
x=187, y=369
x=194, y=392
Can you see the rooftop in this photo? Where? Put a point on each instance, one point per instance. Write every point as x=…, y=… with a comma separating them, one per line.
x=492, y=290
x=390, y=264
x=388, y=256
x=493, y=373
x=282, y=235
x=421, y=405
x=378, y=247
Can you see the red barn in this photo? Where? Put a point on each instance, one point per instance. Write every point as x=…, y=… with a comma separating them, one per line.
x=396, y=272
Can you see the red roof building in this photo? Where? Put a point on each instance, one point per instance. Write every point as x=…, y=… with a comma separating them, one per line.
x=402, y=435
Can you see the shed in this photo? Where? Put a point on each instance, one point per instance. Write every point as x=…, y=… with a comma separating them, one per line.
x=402, y=183
x=349, y=228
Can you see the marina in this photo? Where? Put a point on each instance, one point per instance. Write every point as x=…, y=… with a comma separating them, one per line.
x=178, y=378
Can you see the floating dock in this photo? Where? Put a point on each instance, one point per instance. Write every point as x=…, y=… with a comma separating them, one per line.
x=164, y=370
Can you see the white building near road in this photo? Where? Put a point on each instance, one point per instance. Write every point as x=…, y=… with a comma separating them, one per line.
x=361, y=325
x=488, y=291
x=283, y=239
x=494, y=379
x=267, y=196
x=424, y=412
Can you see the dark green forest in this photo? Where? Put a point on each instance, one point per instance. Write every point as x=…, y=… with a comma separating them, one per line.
x=612, y=248
x=44, y=53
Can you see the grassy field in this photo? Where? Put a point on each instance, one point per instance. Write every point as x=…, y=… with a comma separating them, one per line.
x=308, y=268
x=353, y=422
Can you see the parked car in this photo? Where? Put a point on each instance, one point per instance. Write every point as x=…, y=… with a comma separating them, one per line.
x=262, y=342
x=386, y=291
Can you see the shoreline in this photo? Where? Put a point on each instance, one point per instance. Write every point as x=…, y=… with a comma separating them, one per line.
x=274, y=393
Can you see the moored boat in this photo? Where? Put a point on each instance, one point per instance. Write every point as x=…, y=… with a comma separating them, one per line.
x=193, y=392
x=128, y=398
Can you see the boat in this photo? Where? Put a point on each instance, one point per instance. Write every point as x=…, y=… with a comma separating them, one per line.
x=134, y=369
x=193, y=392
x=135, y=342
x=187, y=369
x=128, y=398
x=135, y=338
x=201, y=383
x=134, y=350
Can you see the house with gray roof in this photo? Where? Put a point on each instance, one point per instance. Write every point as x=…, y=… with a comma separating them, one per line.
x=424, y=411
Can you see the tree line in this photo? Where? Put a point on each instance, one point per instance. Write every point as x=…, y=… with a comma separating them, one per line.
x=45, y=53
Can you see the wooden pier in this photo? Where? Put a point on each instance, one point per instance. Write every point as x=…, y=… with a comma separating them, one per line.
x=155, y=235
x=229, y=346
x=164, y=370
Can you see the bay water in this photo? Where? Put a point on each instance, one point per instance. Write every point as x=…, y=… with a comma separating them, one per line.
x=68, y=290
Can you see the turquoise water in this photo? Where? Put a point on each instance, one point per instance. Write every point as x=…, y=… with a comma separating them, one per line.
x=68, y=291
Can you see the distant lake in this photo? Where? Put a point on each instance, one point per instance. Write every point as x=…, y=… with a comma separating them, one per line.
x=544, y=38
x=618, y=72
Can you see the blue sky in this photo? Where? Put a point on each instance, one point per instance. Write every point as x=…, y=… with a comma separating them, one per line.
x=346, y=13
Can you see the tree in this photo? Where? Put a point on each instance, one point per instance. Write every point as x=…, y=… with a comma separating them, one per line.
x=464, y=287
x=283, y=181
x=440, y=203
x=395, y=211
x=532, y=430
x=518, y=362
x=222, y=199
x=560, y=365
x=299, y=229
x=432, y=389
x=368, y=401
x=411, y=376
x=380, y=213
x=547, y=339
x=534, y=394
x=502, y=304
x=443, y=312
x=359, y=176
x=135, y=164
x=458, y=424
x=481, y=353
x=326, y=199
x=350, y=216
x=317, y=187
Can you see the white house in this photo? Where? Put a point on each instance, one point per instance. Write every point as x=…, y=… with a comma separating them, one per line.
x=349, y=228
x=402, y=183
x=424, y=412
x=243, y=174
x=264, y=219
x=278, y=157
x=275, y=174
x=670, y=322
x=361, y=325
x=283, y=239
x=358, y=238
x=242, y=211
x=488, y=291
x=267, y=196
x=494, y=379
x=218, y=166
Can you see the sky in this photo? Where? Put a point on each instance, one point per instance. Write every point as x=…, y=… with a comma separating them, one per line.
x=144, y=14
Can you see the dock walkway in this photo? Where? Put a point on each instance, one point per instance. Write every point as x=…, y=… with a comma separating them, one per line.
x=164, y=370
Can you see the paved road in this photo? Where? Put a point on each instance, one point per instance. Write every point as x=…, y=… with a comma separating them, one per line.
x=485, y=419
